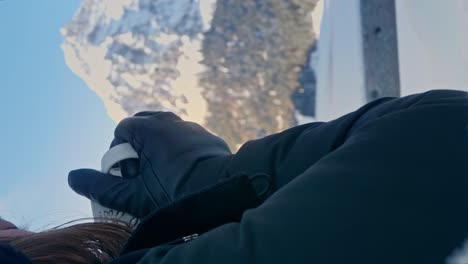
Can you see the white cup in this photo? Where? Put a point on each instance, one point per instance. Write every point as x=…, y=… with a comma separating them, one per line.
x=113, y=156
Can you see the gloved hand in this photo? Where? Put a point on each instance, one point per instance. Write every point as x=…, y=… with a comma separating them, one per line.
x=170, y=150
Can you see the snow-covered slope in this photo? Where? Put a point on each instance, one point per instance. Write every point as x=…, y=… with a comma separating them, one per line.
x=140, y=54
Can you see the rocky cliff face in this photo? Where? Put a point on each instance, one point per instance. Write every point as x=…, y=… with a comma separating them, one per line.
x=231, y=65
x=253, y=55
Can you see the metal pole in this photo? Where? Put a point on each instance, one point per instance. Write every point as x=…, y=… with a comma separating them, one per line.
x=380, y=48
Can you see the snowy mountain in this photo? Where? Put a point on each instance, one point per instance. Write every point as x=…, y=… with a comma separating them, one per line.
x=138, y=54
x=232, y=66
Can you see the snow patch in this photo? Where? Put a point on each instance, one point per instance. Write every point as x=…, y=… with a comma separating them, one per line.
x=459, y=256
x=302, y=119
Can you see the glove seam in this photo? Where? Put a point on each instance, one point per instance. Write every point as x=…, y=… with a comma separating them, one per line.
x=147, y=160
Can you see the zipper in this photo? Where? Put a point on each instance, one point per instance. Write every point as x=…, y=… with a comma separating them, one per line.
x=183, y=239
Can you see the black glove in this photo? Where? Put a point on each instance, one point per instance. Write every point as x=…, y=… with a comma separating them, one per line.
x=170, y=149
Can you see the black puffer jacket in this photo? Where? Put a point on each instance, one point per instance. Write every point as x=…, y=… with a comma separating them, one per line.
x=385, y=184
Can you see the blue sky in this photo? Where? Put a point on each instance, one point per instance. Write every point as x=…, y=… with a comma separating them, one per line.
x=51, y=122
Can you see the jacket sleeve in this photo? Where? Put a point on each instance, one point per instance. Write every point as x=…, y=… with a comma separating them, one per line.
x=391, y=192
x=282, y=156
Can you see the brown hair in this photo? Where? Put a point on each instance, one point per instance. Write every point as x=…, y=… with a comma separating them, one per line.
x=88, y=243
